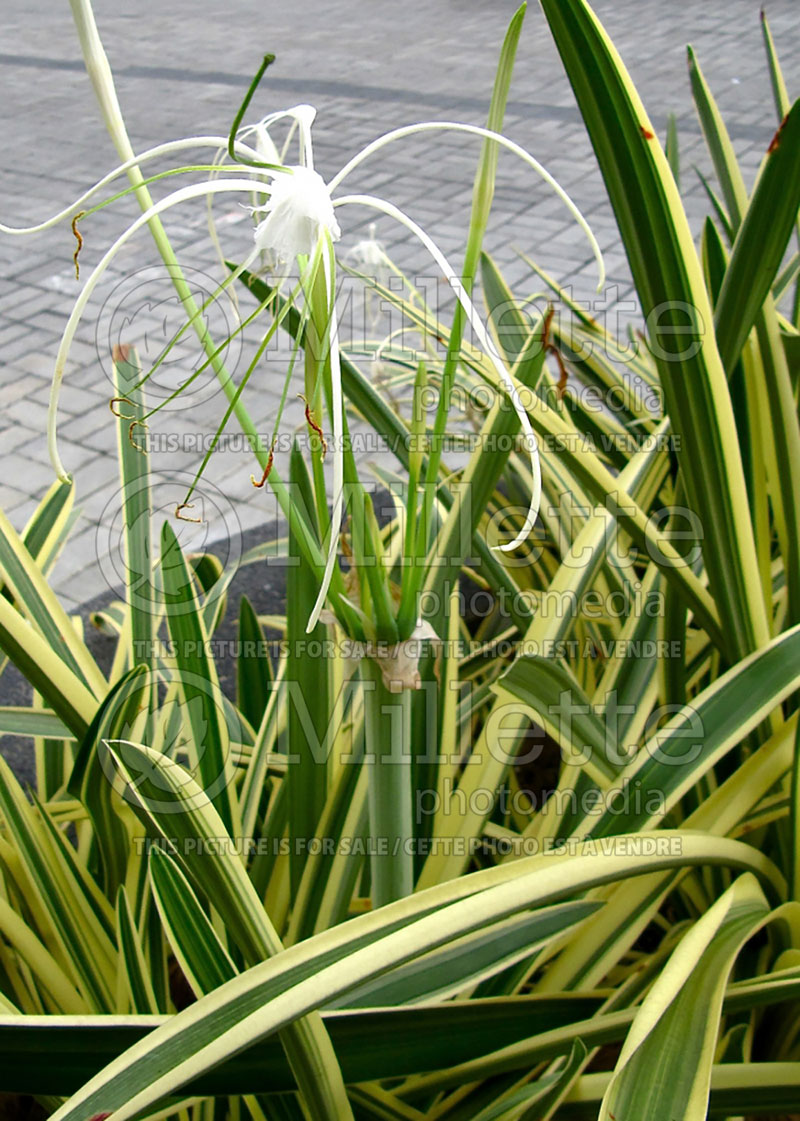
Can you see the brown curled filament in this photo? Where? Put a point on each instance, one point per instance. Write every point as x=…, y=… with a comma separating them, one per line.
x=79, y=240
x=267, y=469
x=131, y=440
x=122, y=401
x=312, y=424
x=182, y=517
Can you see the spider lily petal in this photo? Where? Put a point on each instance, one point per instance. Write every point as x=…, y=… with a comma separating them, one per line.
x=485, y=342
x=302, y=118
x=265, y=145
x=171, y=146
x=486, y=134
x=195, y=190
x=369, y=258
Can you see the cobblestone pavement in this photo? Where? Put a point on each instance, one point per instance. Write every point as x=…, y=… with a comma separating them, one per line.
x=368, y=65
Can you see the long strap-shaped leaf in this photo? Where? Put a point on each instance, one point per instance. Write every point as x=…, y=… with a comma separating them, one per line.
x=202, y=957
x=670, y=284
x=274, y=994
x=197, y=679
x=461, y=1041
x=172, y=804
x=737, y=1089
x=36, y=659
x=90, y=782
x=49, y=525
x=664, y=1070
x=38, y=603
x=693, y=740
x=308, y=680
x=761, y=240
x=604, y=1027
x=762, y=227
x=372, y=1043
x=134, y=468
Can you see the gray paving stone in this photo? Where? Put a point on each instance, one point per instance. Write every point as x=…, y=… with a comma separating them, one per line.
x=28, y=475
x=19, y=514
x=18, y=436
x=30, y=413
x=17, y=386
x=11, y=497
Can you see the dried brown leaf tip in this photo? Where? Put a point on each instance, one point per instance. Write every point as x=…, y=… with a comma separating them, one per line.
x=646, y=133
x=79, y=240
x=120, y=352
x=182, y=517
x=267, y=469
x=774, y=144
x=312, y=424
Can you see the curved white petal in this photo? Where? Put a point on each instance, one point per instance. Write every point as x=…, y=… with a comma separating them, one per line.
x=302, y=117
x=486, y=343
x=194, y=190
x=143, y=157
x=265, y=146
x=486, y=134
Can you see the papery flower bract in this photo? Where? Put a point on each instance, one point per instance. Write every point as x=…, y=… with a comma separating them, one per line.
x=298, y=212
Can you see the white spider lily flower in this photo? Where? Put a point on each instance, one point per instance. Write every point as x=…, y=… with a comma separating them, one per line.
x=368, y=254
x=299, y=212
x=299, y=218
x=369, y=258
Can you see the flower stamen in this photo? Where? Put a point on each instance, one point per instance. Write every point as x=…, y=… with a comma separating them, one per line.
x=121, y=415
x=79, y=240
x=131, y=440
x=182, y=517
x=267, y=469
x=314, y=426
